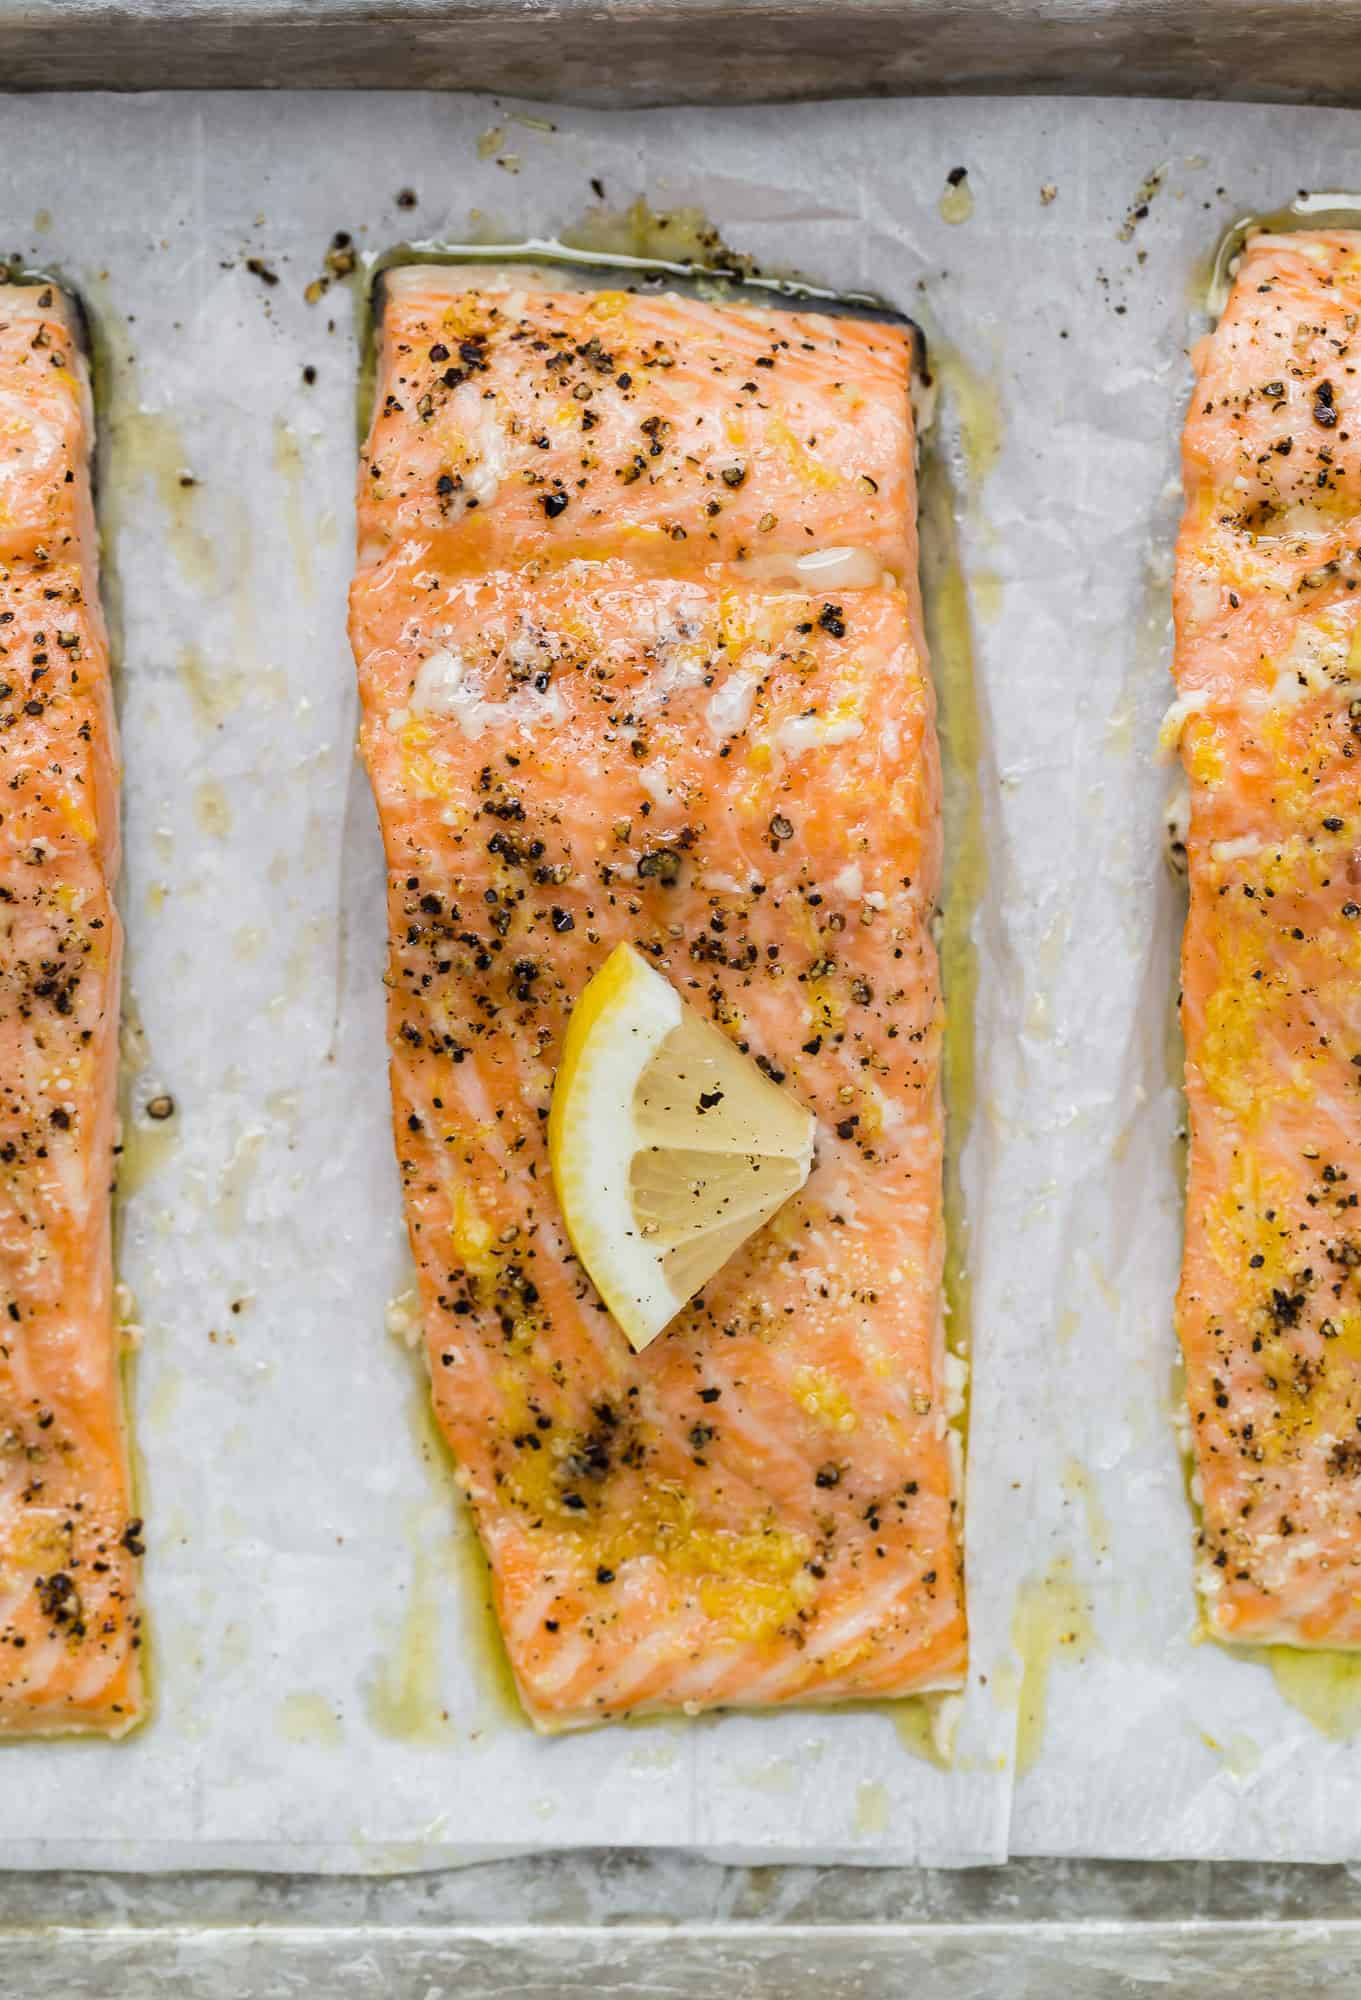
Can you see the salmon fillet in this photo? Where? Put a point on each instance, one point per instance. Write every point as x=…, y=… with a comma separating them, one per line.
x=1268, y=670
x=69, y=1541
x=582, y=730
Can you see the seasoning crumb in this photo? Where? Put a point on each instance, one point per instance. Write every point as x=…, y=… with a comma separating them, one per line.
x=340, y=258
x=161, y=1106
x=1139, y=207
x=1048, y=192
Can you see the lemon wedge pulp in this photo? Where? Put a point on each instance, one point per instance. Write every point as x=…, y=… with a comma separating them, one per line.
x=669, y=1147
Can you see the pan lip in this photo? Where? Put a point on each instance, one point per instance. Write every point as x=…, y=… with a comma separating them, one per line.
x=725, y=283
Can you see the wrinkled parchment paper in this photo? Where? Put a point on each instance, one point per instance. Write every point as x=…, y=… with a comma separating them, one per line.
x=325, y=1694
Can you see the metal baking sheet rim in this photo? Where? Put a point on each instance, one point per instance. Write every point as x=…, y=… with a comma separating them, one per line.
x=638, y=52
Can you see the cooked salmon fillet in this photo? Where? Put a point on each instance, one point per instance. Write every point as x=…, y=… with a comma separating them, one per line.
x=69, y=1540
x=573, y=745
x=1268, y=669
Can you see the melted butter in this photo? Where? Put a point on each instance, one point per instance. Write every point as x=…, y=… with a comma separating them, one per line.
x=147, y=1145
x=956, y=203
x=914, y=1724
x=1051, y=1627
x=501, y=1707
x=678, y=235
x=1324, y=1687
x=403, y=1698
x=499, y=1699
x=950, y=641
x=977, y=406
x=308, y=1718
x=987, y=594
x=134, y=1050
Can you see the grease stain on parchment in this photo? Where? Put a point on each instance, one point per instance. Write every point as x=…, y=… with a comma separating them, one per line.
x=164, y=1397
x=1078, y=1487
x=1051, y=1628
x=212, y=809
x=986, y=588
x=976, y=402
x=309, y=1718
x=146, y=446
x=777, y=1777
x=235, y=1181
x=289, y=466
x=871, y=1809
x=403, y=1696
x=215, y=693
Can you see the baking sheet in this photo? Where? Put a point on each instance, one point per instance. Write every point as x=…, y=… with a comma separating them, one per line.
x=325, y=1695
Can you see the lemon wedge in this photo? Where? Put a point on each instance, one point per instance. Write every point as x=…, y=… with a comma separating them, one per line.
x=669, y=1147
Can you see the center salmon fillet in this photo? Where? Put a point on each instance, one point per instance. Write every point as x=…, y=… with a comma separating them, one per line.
x=573, y=746
x=69, y=1542
x=1268, y=673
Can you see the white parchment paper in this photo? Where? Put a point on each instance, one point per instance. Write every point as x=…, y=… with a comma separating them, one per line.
x=324, y=1697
